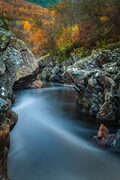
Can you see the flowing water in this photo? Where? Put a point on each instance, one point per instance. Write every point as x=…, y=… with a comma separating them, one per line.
x=51, y=140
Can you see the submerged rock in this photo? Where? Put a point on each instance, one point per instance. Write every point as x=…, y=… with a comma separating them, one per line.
x=97, y=82
x=107, y=140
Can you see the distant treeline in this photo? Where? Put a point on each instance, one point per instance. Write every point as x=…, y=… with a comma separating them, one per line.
x=44, y=3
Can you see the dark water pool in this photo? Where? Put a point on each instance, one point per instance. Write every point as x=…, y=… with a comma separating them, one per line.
x=51, y=140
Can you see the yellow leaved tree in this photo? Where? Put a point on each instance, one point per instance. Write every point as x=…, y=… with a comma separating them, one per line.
x=27, y=26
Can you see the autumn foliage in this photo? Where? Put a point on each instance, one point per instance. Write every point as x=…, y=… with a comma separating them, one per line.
x=59, y=30
x=39, y=41
x=26, y=26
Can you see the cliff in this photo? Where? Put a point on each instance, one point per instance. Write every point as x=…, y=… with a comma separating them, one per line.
x=16, y=63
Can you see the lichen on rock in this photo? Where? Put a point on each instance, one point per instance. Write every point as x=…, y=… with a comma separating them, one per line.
x=15, y=57
x=97, y=81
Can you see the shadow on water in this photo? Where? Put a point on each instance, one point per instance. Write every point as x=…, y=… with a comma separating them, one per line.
x=51, y=140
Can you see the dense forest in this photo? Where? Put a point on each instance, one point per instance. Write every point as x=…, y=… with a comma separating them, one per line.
x=68, y=26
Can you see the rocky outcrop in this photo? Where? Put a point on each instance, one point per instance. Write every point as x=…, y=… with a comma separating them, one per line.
x=97, y=82
x=9, y=64
x=28, y=61
x=51, y=70
x=29, y=81
x=27, y=73
x=96, y=79
x=8, y=119
x=16, y=63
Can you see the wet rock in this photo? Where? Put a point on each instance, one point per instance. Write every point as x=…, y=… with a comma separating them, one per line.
x=9, y=63
x=16, y=63
x=8, y=120
x=107, y=140
x=4, y=146
x=97, y=82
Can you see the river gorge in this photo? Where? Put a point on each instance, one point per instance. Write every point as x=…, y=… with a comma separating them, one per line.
x=51, y=131
x=52, y=139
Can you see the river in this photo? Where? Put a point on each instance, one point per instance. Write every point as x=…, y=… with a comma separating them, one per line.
x=52, y=140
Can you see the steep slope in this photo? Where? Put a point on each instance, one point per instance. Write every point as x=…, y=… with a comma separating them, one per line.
x=28, y=22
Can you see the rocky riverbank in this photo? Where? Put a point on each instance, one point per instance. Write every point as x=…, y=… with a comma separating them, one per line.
x=97, y=82
x=16, y=63
x=51, y=70
x=96, y=79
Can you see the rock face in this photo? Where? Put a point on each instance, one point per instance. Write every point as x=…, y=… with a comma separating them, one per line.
x=51, y=71
x=28, y=69
x=28, y=61
x=9, y=64
x=8, y=119
x=16, y=54
x=16, y=63
x=97, y=82
x=96, y=79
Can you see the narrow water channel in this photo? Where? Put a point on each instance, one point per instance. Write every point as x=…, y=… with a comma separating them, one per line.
x=51, y=140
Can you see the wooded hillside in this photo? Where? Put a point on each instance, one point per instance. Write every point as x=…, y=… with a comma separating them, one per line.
x=78, y=26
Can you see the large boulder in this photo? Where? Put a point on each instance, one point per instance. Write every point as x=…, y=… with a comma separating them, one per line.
x=97, y=81
x=28, y=61
x=16, y=62
x=28, y=70
x=27, y=74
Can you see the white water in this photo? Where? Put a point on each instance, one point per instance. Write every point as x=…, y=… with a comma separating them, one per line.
x=50, y=140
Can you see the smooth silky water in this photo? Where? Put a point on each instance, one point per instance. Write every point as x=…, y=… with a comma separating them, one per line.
x=52, y=140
